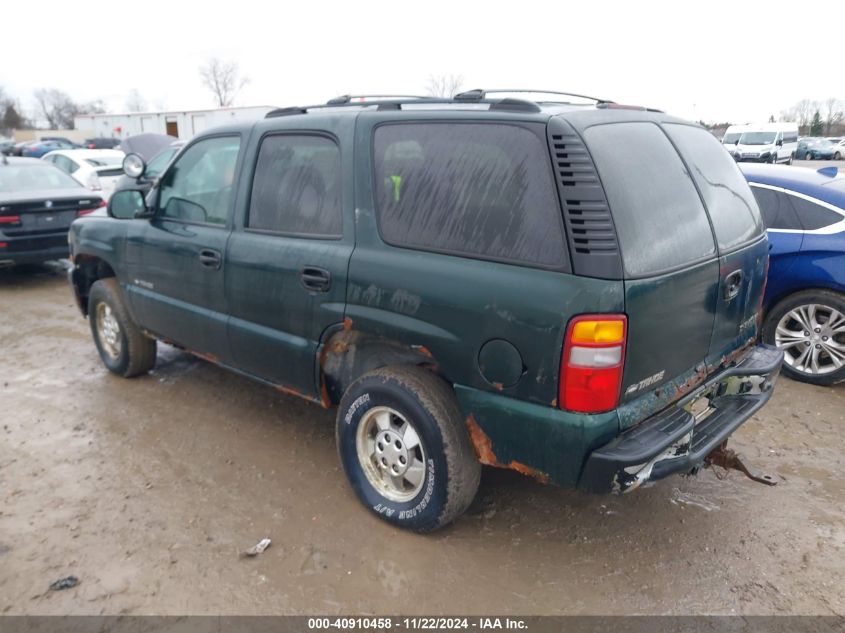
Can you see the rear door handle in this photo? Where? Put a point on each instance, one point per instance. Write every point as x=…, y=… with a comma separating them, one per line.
x=211, y=258
x=315, y=279
x=733, y=283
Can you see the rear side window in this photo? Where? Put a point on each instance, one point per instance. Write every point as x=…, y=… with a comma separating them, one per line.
x=476, y=189
x=776, y=209
x=813, y=216
x=660, y=221
x=733, y=209
x=296, y=187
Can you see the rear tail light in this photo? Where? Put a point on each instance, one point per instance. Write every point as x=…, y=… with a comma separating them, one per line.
x=82, y=212
x=10, y=219
x=592, y=363
x=3, y=244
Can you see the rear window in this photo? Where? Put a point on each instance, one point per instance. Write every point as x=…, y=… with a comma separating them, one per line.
x=660, y=221
x=735, y=214
x=481, y=190
x=296, y=187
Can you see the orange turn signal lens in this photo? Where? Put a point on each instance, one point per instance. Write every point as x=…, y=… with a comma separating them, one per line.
x=603, y=331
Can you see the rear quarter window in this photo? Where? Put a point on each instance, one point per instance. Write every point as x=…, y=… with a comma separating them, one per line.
x=732, y=207
x=776, y=208
x=660, y=221
x=480, y=190
x=814, y=216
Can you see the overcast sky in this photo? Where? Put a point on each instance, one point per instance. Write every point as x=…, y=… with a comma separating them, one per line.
x=713, y=60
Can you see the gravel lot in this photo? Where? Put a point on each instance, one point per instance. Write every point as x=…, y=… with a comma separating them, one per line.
x=148, y=489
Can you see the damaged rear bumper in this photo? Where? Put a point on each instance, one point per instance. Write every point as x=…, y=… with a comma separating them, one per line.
x=679, y=438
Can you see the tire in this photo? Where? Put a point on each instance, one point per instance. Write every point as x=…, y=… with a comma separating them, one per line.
x=837, y=156
x=808, y=156
x=774, y=159
x=123, y=348
x=789, y=160
x=371, y=413
x=828, y=306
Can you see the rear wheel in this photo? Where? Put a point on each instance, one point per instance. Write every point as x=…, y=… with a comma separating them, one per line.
x=837, y=156
x=808, y=156
x=123, y=348
x=405, y=449
x=809, y=327
x=789, y=160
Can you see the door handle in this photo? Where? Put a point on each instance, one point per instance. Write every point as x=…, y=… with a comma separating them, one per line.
x=733, y=283
x=211, y=258
x=315, y=279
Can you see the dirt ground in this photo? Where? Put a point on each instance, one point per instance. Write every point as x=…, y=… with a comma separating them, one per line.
x=148, y=489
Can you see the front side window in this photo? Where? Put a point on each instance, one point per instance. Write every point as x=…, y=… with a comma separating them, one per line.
x=296, y=188
x=480, y=190
x=199, y=187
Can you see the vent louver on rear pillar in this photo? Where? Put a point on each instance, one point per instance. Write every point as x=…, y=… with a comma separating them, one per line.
x=592, y=238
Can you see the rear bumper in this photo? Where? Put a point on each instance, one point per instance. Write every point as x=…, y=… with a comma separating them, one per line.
x=677, y=440
x=34, y=249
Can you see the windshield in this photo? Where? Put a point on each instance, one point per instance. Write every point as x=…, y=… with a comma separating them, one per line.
x=14, y=178
x=820, y=142
x=757, y=138
x=731, y=138
x=104, y=161
x=158, y=163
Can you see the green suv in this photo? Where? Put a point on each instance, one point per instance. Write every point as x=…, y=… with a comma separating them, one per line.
x=568, y=290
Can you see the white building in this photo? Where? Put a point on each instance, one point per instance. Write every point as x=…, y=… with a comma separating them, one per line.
x=182, y=124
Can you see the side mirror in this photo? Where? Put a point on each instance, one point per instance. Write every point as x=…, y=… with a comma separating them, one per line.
x=779, y=143
x=128, y=204
x=134, y=166
x=736, y=142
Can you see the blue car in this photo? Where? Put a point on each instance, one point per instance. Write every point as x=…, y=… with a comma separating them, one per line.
x=804, y=303
x=815, y=149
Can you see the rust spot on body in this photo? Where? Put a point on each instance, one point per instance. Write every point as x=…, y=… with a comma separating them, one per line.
x=498, y=386
x=484, y=450
x=422, y=349
x=211, y=358
x=347, y=324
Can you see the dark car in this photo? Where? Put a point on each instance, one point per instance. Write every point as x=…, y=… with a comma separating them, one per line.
x=101, y=143
x=815, y=149
x=569, y=291
x=146, y=157
x=37, y=204
x=7, y=147
x=804, y=211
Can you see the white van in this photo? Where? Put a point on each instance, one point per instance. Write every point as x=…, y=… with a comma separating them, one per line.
x=764, y=142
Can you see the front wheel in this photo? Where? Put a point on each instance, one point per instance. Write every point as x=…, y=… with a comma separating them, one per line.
x=123, y=348
x=837, y=156
x=404, y=448
x=809, y=327
x=808, y=156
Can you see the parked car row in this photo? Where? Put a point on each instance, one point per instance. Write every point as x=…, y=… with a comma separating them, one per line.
x=778, y=143
x=38, y=147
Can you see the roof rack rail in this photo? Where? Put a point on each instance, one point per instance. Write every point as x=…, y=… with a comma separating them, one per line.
x=479, y=93
x=343, y=99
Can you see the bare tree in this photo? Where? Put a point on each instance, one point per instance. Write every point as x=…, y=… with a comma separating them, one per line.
x=223, y=79
x=833, y=114
x=135, y=102
x=57, y=108
x=446, y=86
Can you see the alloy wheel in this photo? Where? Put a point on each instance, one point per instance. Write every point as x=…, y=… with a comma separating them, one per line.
x=812, y=337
